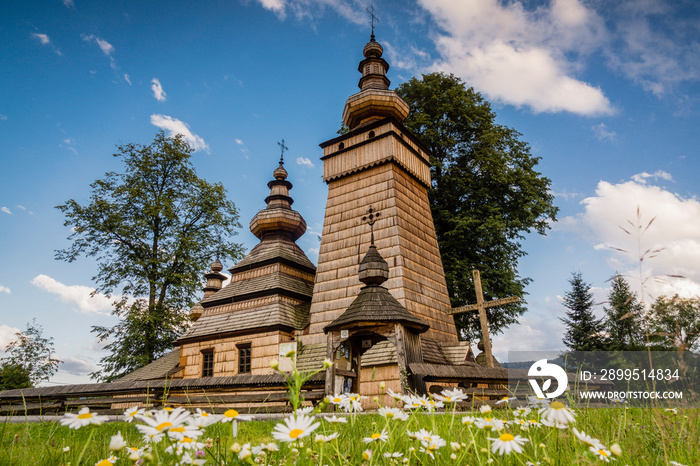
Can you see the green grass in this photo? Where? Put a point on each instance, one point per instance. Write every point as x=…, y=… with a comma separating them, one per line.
x=646, y=436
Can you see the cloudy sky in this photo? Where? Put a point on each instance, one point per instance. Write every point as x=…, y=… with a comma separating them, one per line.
x=606, y=93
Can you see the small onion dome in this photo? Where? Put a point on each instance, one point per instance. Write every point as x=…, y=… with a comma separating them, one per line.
x=217, y=266
x=196, y=312
x=373, y=49
x=280, y=173
x=373, y=269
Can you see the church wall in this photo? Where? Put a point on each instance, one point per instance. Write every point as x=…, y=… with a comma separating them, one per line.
x=404, y=236
x=264, y=348
x=371, y=377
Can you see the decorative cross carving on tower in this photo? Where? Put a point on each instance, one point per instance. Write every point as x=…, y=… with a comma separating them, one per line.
x=283, y=148
x=481, y=307
x=370, y=218
x=373, y=18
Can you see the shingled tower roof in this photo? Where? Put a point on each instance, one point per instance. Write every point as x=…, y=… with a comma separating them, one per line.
x=374, y=304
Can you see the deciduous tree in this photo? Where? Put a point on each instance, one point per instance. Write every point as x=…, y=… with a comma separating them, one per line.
x=677, y=321
x=153, y=229
x=486, y=193
x=29, y=359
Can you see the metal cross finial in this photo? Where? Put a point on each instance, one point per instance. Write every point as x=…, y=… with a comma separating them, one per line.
x=373, y=18
x=283, y=148
x=370, y=218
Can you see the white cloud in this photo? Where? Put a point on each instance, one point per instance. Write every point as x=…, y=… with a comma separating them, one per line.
x=76, y=294
x=521, y=57
x=533, y=332
x=4, y=289
x=43, y=38
x=302, y=9
x=6, y=210
x=69, y=4
x=158, y=91
x=175, y=127
x=7, y=336
x=239, y=142
x=127, y=79
x=603, y=133
x=305, y=162
x=641, y=218
x=105, y=46
x=77, y=366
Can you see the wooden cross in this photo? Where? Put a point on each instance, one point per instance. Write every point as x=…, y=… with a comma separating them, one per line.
x=481, y=307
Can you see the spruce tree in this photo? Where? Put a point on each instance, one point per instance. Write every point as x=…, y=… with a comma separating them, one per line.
x=623, y=317
x=584, y=332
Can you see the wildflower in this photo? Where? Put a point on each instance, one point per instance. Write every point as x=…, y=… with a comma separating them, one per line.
x=382, y=386
x=587, y=439
x=294, y=428
x=432, y=443
x=394, y=395
x=131, y=413
x=393, y=413
x=155, y=428
x=395, y=455
x=506, y=399
x=419, y=435
x=367, y=455
x=336, y=420
x=522, y=412
x=615, y=449
x=554, y=424
x=325, y=438
x=557, y=413
x=453, y=457
x=488, y=423
x=134, y=454
x=484, y=409
x=306, y=410
x=203, y=419
x=507, y=443
x=186, y=458
x=233, y=415
x=327, y=363
x=275, y=364
x=416, y=402
x=236, y=447
x=675, y=463
x=455, y=446
x=184, y=430
x=535, y=402
x=66, y=449
x=671, y=410
x=602, y=453
x=83, y=418
x=337, y=399
x=468, y=420
x=451, y=396
x=117, y=442
x=245, y=452
x=184, y=443
x=107, y=462
x=383, y=436
x=351, y=403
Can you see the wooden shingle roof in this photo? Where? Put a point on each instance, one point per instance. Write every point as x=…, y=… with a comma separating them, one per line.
x=278, y=314
x=275, y=250
x=272, y=283
x=164, y=367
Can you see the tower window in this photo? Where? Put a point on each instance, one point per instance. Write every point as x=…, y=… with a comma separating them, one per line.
x=341, y=146
x=371, y=134
x=244, y=358
x=208, y=362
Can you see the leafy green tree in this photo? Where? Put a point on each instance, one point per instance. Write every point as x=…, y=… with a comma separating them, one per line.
x=676, y=321
x=29, y=359
x=584, y=331
x=624, y=314
x=153, y=229
x=486, y=194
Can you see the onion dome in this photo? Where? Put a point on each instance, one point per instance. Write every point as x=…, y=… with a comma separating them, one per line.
x=374, y=305
x=278, y=218
x=374, y=101
x=196, y=312
x=215, y=279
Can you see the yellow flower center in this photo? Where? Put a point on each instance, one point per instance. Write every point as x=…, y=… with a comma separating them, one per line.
x=602, y=453
x=163, y=425
x=506, y=437
x=104, y=463
x=390, y=415
x=186, y=440
x=232, y=413
x=205, y=414
x=557, y=405
x=337, y=400
x=295, y=433
x=375, y=436
x=168, y=409
x=448, y=399
x=85, y=416
x=177, y=429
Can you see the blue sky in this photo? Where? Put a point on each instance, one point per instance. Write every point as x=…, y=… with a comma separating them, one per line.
x=606, y=93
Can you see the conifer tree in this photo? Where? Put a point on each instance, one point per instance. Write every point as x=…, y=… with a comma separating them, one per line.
x=584, y=332
x=623, y=317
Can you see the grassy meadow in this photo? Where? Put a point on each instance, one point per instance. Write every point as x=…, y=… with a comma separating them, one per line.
x=643, y=436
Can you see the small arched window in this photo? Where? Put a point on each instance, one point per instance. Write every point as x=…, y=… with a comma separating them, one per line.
x=371, y=134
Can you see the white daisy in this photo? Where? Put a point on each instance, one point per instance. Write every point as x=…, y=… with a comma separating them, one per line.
x=506, y=399
x=305, y=410
x=83, y=418
x=488, y=423
x=393, y=413
x=485, y=409
x=522, y=412
x=395, y=454
x=671, y=410
x=336, y=420
x=337, y=399
x=233, y=415
x=351, y=403
x=507, y=443
x=107, y=462
x=451, y=396
x=294, y=428
x=203, y=419
x=602, y=453
x=131, y=413
x=376, y=437
x=557, y=425
x=587, y=439
x=117, y=442
x=468, y=420
x=325, y=438
x=184, y=430
x=155, y=427
x=557, y=413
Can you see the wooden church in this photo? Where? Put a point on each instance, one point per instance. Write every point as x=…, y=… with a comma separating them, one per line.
x=376, y=304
